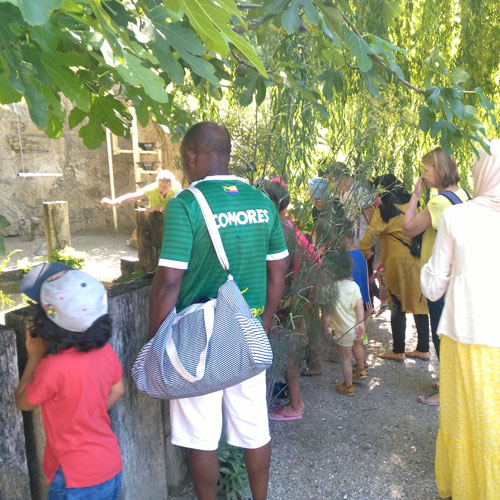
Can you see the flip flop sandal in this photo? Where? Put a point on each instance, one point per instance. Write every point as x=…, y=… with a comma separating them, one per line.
x=425, y=400
x=276, y=414
x=425, y=356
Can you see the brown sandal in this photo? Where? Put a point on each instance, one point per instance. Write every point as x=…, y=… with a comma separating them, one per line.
x=347, y=391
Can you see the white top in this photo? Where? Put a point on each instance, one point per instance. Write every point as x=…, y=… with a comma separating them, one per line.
x=465, y=264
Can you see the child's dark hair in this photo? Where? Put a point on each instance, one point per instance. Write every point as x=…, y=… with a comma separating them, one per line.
x=58, y=339
x=277, y=193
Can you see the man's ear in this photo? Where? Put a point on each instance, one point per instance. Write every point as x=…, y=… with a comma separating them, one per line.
x=190, y=157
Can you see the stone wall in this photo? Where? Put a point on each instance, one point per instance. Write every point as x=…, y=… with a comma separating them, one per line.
x=152, y=467
x=85, y=174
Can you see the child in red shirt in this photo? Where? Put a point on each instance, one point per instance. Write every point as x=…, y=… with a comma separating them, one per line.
x=75, y=375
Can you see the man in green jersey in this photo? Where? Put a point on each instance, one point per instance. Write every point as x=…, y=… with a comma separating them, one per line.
x=189, y=269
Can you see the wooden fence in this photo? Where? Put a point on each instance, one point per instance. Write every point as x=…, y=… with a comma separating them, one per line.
x=152, y=466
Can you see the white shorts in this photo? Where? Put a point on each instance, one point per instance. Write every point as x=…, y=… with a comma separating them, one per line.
x=197, y=422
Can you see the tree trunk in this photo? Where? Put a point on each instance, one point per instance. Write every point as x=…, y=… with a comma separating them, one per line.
x=149, y=235
x=56, y=221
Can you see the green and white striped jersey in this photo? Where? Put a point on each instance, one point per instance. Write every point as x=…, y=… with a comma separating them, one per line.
x=250, y=231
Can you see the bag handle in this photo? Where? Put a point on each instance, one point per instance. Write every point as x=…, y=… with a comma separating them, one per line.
x=212, y=228
x=209, y=314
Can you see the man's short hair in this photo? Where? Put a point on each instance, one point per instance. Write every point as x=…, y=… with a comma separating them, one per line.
x=208, y=137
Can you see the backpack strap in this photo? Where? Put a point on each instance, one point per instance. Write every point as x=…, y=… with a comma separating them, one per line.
x=452, y=197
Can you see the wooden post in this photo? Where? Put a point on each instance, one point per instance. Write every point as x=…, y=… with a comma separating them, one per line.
x=56, y=221
x=149, y=236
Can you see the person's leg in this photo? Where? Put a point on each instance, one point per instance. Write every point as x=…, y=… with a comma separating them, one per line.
x=197, y=424
x=435, y=311
x=258, y=462
x=346, y=356
x=247, y=426
x=204, y=468
x=422, y=324
x=398, y=326
x=359, y=355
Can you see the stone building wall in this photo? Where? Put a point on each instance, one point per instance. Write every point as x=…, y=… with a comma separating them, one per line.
x=85, y=174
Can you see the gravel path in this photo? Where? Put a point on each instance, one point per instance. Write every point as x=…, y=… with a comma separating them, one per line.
x=377, y=445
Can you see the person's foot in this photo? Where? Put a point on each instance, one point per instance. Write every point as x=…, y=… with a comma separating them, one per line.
x=285, y=413
x=343, y=389
x=396, y=356
x=431, y=399
x=425, y=356
x=313, y=370
x=359, y=375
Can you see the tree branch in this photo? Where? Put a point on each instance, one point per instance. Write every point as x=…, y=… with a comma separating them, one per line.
x=377, y=59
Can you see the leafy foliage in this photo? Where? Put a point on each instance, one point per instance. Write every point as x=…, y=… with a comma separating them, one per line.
x=68, y=256
x=104, y=54
x=233, y=477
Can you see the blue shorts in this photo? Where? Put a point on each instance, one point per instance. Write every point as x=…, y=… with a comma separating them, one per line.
x=109, y=490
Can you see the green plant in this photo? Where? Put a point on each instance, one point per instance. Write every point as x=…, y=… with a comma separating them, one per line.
x=125, y=278
x=68, y=256
x=233, y=478
x=4, y=300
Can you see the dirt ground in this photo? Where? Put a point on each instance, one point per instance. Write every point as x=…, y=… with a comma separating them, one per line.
x=378, y=444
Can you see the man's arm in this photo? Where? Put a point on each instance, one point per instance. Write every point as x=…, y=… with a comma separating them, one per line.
x=163, y=295
x=276, y=271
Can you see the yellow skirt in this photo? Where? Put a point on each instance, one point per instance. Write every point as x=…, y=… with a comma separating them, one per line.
x=468, y=442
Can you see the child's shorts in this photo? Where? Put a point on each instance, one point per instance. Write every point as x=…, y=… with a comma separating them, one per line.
x=197, y=422
x=345, y=339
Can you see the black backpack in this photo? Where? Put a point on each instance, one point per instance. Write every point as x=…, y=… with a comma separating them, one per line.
x=416, y=242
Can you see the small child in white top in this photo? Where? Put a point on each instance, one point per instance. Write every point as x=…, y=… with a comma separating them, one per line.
x=345, y=321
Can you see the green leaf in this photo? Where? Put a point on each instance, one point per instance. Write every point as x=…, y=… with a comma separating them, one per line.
x=426, y=118
x=459, y=75
x=333, y=78
x=290, y=18
x=469, y=110
x=458, y=108
x=67, y=82
x=137, y=74
x=311, y=12
x=7, y=94
x=93, y=134
x=473, y=122
x=142, y=112
x=39, y=111
x=432, y=95
x=37, y=12
x=370, y=84
x=359, y=49
x=75, y=117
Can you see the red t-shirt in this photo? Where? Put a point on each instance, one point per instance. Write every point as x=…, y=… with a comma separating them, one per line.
x=72, y=388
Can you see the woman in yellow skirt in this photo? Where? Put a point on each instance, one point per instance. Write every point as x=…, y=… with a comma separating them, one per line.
x=465, y=265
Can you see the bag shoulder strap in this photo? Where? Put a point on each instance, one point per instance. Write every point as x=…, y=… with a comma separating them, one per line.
x=212, y=228
x=452, y=197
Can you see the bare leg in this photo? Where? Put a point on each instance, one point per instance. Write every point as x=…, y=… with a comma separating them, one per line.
x=204, y=466
x=258, y=461
x=346, y=355
x=359, y=354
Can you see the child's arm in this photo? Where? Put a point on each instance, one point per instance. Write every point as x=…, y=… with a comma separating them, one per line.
x=359, y=329
x=115, y=393
x=36, y=351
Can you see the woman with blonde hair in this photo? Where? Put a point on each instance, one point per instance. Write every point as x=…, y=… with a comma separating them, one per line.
x=440, y=172
x=464, y=264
